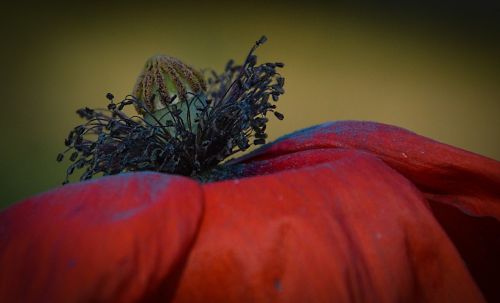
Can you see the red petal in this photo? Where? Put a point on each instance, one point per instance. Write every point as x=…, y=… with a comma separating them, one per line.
x=115, y=239
x=446, y=175
x=349, y=231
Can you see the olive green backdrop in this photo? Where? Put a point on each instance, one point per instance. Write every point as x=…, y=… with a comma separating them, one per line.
x=433, y=70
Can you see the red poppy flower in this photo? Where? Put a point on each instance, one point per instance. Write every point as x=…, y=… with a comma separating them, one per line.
x=341, y=212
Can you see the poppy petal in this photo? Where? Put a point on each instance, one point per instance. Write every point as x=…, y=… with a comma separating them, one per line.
x=351, y=230
x=114, y=239
x=444, y=173
x=462, y=188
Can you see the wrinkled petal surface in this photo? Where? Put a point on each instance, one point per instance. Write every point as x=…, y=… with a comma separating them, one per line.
x=462, y=188
x=342, y=212
x=349, y=231
x=444, y=173
x=118, y=239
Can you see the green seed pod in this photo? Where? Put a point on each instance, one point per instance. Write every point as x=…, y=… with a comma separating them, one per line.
x=165, y=81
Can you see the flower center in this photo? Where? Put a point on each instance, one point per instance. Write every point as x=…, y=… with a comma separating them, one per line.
x=187, y=127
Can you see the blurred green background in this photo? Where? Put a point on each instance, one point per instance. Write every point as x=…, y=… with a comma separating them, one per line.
x=432, y=69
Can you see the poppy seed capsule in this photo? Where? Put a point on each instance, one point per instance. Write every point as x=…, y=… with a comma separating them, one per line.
x=165, y=81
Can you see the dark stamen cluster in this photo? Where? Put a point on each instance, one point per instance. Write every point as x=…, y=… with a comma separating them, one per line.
x=196, y=136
